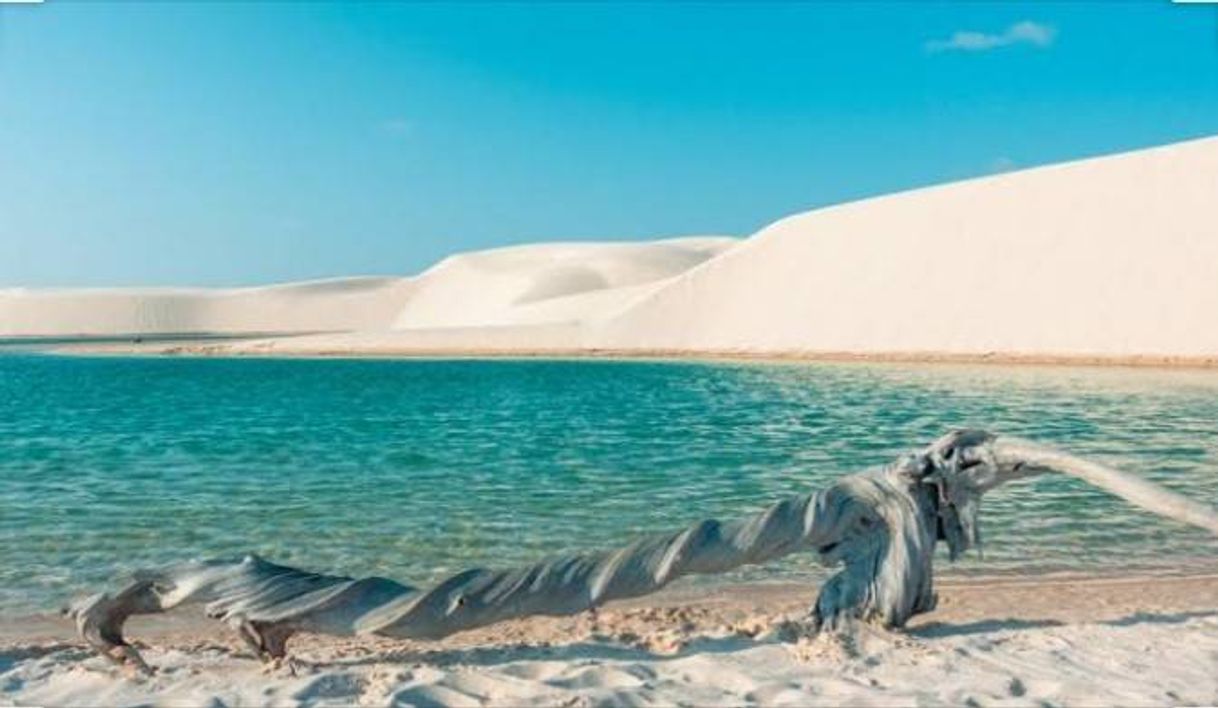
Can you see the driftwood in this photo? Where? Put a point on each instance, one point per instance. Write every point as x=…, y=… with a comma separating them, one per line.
x=880, y=526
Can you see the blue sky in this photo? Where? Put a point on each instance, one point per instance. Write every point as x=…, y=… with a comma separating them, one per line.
x=236, y=143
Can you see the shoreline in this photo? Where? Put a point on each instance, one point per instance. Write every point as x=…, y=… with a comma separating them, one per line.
x=239, y=346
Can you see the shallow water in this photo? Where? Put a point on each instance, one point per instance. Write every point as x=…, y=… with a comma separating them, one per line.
x=415, y=469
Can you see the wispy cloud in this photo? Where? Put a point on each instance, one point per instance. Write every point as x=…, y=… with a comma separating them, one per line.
x=1026, y=32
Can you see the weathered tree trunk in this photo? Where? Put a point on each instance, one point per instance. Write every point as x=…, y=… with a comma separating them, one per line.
x=880, y=526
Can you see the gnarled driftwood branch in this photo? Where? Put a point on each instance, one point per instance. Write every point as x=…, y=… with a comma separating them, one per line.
x=880, y=526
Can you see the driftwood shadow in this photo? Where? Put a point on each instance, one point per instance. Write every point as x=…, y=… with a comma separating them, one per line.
x=578, y=651
x=941, y=630
x=1160, y=618
x=610, y=651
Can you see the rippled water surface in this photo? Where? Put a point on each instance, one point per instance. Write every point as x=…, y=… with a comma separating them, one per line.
x=413, y=469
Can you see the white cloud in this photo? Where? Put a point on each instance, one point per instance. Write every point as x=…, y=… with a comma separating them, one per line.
x=1026, y=32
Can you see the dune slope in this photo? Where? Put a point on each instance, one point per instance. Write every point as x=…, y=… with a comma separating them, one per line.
x=1113, y=256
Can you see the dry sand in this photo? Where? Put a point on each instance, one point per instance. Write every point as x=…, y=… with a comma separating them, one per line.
x=1016, y=641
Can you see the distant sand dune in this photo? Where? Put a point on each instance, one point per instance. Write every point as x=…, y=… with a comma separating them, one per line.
x=339, y=304
x=527, y=285
x=552, y=282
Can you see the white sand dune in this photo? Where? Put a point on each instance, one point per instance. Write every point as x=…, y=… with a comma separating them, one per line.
x=548, y=283
x=1013, y=642
x=1111, y=258
x=339, y=304
x=541, y=284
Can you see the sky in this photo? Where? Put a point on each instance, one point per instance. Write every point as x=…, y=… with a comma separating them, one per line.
x=231, y=143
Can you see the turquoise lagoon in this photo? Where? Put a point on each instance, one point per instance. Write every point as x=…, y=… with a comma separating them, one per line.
x=414, y=469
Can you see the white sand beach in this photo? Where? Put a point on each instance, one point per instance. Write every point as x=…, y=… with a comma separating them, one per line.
x=1107, y=260
x=1050, y=640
